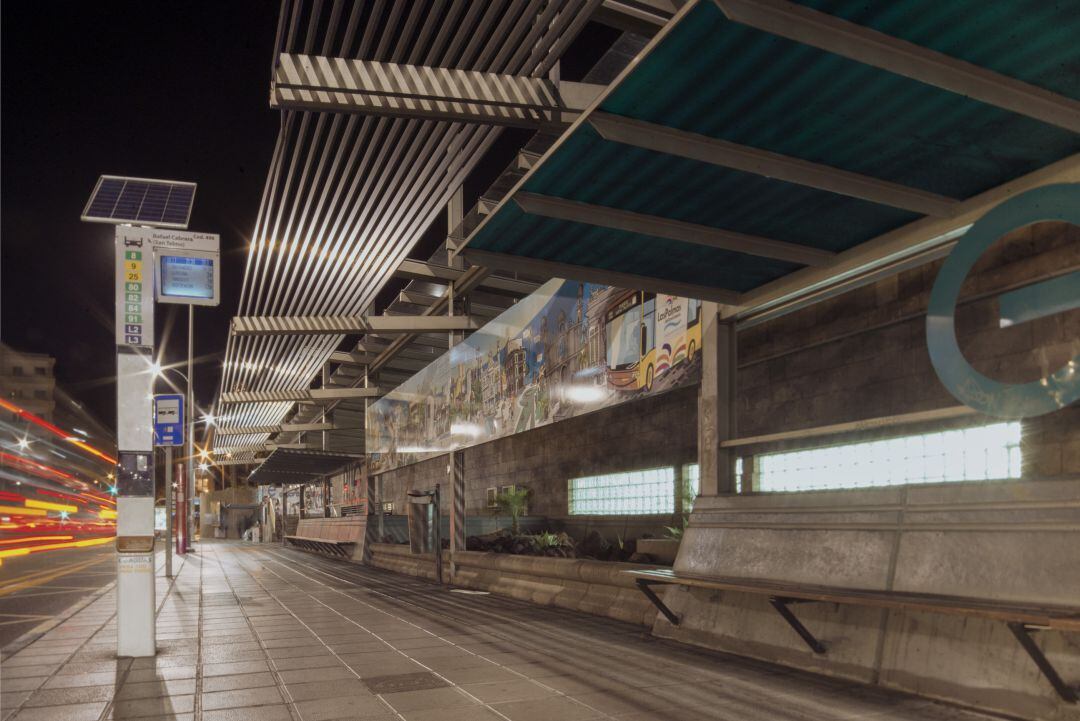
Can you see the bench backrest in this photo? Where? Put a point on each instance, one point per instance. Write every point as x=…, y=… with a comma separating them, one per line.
x=1005, y=541
x=350, y=528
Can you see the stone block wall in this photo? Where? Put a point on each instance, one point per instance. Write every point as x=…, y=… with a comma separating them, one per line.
x=862, y=354
x=649, y=433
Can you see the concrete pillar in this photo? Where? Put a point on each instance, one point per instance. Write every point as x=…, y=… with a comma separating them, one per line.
x=716, y=404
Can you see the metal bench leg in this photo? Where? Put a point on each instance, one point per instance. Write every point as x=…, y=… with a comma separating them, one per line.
x=1023, y=635
x=656, y=601
x=781, y=606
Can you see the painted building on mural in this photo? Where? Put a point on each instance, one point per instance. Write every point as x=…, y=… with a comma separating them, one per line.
x=567, y=349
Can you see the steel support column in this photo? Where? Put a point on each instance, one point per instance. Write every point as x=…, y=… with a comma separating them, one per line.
x=455, y=210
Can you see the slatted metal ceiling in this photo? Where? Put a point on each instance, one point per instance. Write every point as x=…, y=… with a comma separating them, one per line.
x=347, y=197
x=724, y=80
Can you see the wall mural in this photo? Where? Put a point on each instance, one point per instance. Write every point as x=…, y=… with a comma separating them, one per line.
x=567, y=349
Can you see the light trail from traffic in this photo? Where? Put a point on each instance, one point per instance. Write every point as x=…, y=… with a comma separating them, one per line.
x=47, y=497
x=68, y=437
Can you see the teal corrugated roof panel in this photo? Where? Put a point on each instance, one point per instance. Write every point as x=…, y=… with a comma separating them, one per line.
x=1030, y=40
x=589, y=169
x=725, y=80
x=516, y=232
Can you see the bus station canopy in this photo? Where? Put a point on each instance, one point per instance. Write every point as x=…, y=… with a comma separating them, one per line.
x=758, y=150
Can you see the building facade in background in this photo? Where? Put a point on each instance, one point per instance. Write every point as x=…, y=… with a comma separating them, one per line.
x=27, y=380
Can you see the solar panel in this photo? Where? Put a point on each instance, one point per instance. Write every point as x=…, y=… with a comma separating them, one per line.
x=159, y=203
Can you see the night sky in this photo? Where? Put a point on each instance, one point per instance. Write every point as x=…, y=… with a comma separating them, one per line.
x=151, y=89
x=147, y=89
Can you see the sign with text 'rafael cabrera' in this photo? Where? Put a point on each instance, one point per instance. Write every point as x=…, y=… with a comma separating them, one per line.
x=137, y=252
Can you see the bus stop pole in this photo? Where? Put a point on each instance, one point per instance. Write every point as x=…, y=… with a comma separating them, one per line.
x=168, y=511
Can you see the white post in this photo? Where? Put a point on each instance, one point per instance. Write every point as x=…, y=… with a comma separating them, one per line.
x=135, y=633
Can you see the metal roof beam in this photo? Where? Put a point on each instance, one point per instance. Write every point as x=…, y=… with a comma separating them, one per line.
x=285, y=428
x=377, y=344
x=432, y=272
x=625, y=220
x=641, y=17
x=264, y=447
x=302, y=395
x=399, y=362
x=894, y=247
x=478, y=302
x=347, y=358
x=597, y=275
x=239, y=461
x=340, y=85
x=870, y=47
x=346, y=325
x=672, y=141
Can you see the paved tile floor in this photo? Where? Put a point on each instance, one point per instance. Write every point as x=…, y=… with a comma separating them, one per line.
x=257, y=633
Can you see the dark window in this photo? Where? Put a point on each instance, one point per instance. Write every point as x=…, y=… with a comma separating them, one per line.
x=40, y=394
x=16, y=370
x=40, y=370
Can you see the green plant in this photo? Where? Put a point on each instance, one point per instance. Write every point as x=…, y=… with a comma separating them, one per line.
x=513, y=503
x=547, y=540
x=676, y=532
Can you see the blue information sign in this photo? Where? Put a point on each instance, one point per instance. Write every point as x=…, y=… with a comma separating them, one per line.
x=169, y=420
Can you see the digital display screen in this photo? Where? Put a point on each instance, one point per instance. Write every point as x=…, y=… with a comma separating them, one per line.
x=187, y=277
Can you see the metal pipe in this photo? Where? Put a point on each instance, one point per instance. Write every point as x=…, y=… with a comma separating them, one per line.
x=168, y=511
x=191, y=428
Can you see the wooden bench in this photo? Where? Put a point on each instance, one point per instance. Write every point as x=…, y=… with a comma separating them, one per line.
x=325, y=545
x=1022, y=620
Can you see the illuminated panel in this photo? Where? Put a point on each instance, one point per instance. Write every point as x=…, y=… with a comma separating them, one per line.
x=187, y=277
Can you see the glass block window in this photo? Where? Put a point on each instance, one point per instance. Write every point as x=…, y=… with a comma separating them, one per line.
x=650, y=491
x=692, y=476
x=692, y=479
x=990, y=452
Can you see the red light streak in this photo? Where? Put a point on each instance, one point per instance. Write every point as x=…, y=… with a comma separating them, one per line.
x=64, y=496
x=36, y=468
x=27, y=415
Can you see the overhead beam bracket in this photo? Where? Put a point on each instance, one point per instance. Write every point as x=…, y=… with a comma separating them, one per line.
x=341, y=85
x=348, y=325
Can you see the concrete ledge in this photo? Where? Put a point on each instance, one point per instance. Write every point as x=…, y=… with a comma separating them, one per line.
x=596, y=587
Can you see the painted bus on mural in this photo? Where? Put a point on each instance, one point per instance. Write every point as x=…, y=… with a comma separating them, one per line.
x=648, y=336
